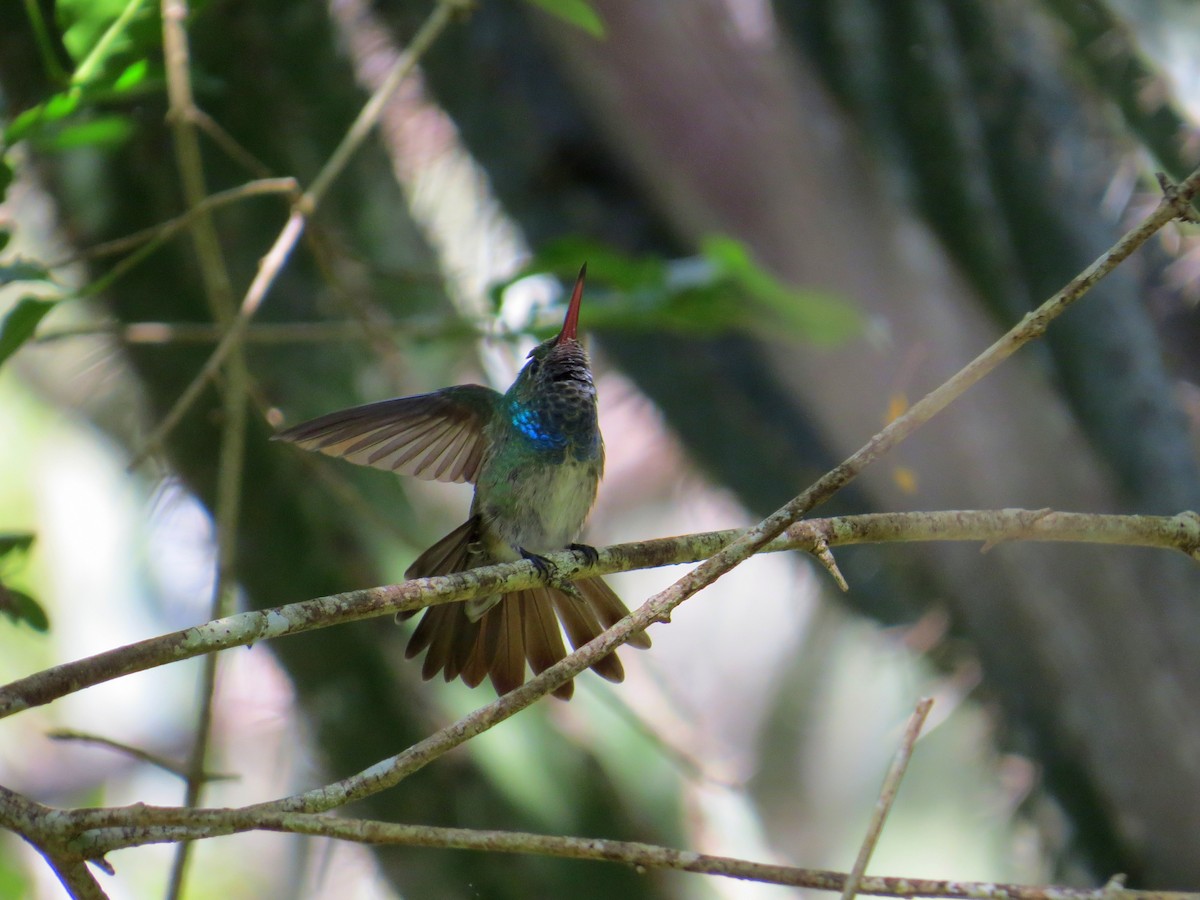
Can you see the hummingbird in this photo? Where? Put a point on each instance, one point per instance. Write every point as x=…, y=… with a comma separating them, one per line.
x=535, y=456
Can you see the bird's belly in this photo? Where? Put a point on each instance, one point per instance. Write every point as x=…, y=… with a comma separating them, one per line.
x=542, y=508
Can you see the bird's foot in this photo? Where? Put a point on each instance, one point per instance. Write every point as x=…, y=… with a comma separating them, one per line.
x=544, y=567
x=590, y=554
x=550, y=574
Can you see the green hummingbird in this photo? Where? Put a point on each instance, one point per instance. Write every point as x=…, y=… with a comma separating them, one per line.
x=535, y=455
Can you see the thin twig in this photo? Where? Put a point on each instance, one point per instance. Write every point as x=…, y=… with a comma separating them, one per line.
x=161, y=762
x=229, y=144
x=44, y=829
x=887, y=797
x=157, y=234
x=125, y=827
x=91, y=833
x=95, y=58
x=234, y=399
x=272, y=264
x=76, y=877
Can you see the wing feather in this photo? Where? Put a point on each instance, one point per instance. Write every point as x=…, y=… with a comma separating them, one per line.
x=438, y=436
x=404, y=442
x=450, y=460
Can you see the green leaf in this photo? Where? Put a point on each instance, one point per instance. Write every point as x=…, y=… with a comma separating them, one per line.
x=817, y=315
x=19, y=540
x=53, y=110
x=132, y=78
x=563, y=257
x=724, y=291
x=20, y=607
x=20, y=323
x=579, y=13
x=100, y=31
x=5, y=237
x=102, y=131
x=115, y=44
x=6, y=177
x=61, y=105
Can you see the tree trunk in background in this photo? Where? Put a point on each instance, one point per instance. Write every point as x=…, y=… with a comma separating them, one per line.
x=683, y=123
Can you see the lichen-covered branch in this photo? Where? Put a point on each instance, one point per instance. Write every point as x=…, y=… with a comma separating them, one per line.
x=1180, y=532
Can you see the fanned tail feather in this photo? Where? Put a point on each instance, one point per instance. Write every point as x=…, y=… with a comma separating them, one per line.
x=444, y=633
x=521, y=627
x=582, y=624
x=609, y=608
x=543, y=638
x=508, y=651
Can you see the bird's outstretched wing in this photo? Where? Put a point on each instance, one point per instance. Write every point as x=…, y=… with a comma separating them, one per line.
x=437, y=436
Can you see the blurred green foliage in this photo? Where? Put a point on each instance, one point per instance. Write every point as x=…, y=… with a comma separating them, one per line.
x=17, y=605
x=114, y=47
x=19, y=324
x=723, y=291
x=579, y=13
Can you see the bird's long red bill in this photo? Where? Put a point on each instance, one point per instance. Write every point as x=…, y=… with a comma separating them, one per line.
x=570, y=327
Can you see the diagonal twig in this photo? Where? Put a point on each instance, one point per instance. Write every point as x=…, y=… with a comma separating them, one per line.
x=153, y=759
x=273, y=262
x=887, y=796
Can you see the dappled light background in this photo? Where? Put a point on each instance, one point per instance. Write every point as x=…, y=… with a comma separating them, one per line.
x=762, y=721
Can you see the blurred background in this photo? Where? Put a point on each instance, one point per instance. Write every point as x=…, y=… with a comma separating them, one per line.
x=798, y=217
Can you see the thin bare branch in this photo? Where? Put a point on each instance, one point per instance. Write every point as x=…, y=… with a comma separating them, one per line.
x=269, y=268
x=76, y=877
x=158, y=234
x=229, y=144
x=272, y=264
x=136, y=826
x=887, y=797
x=47, y=830
x=91, y=833
x=161, y=762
